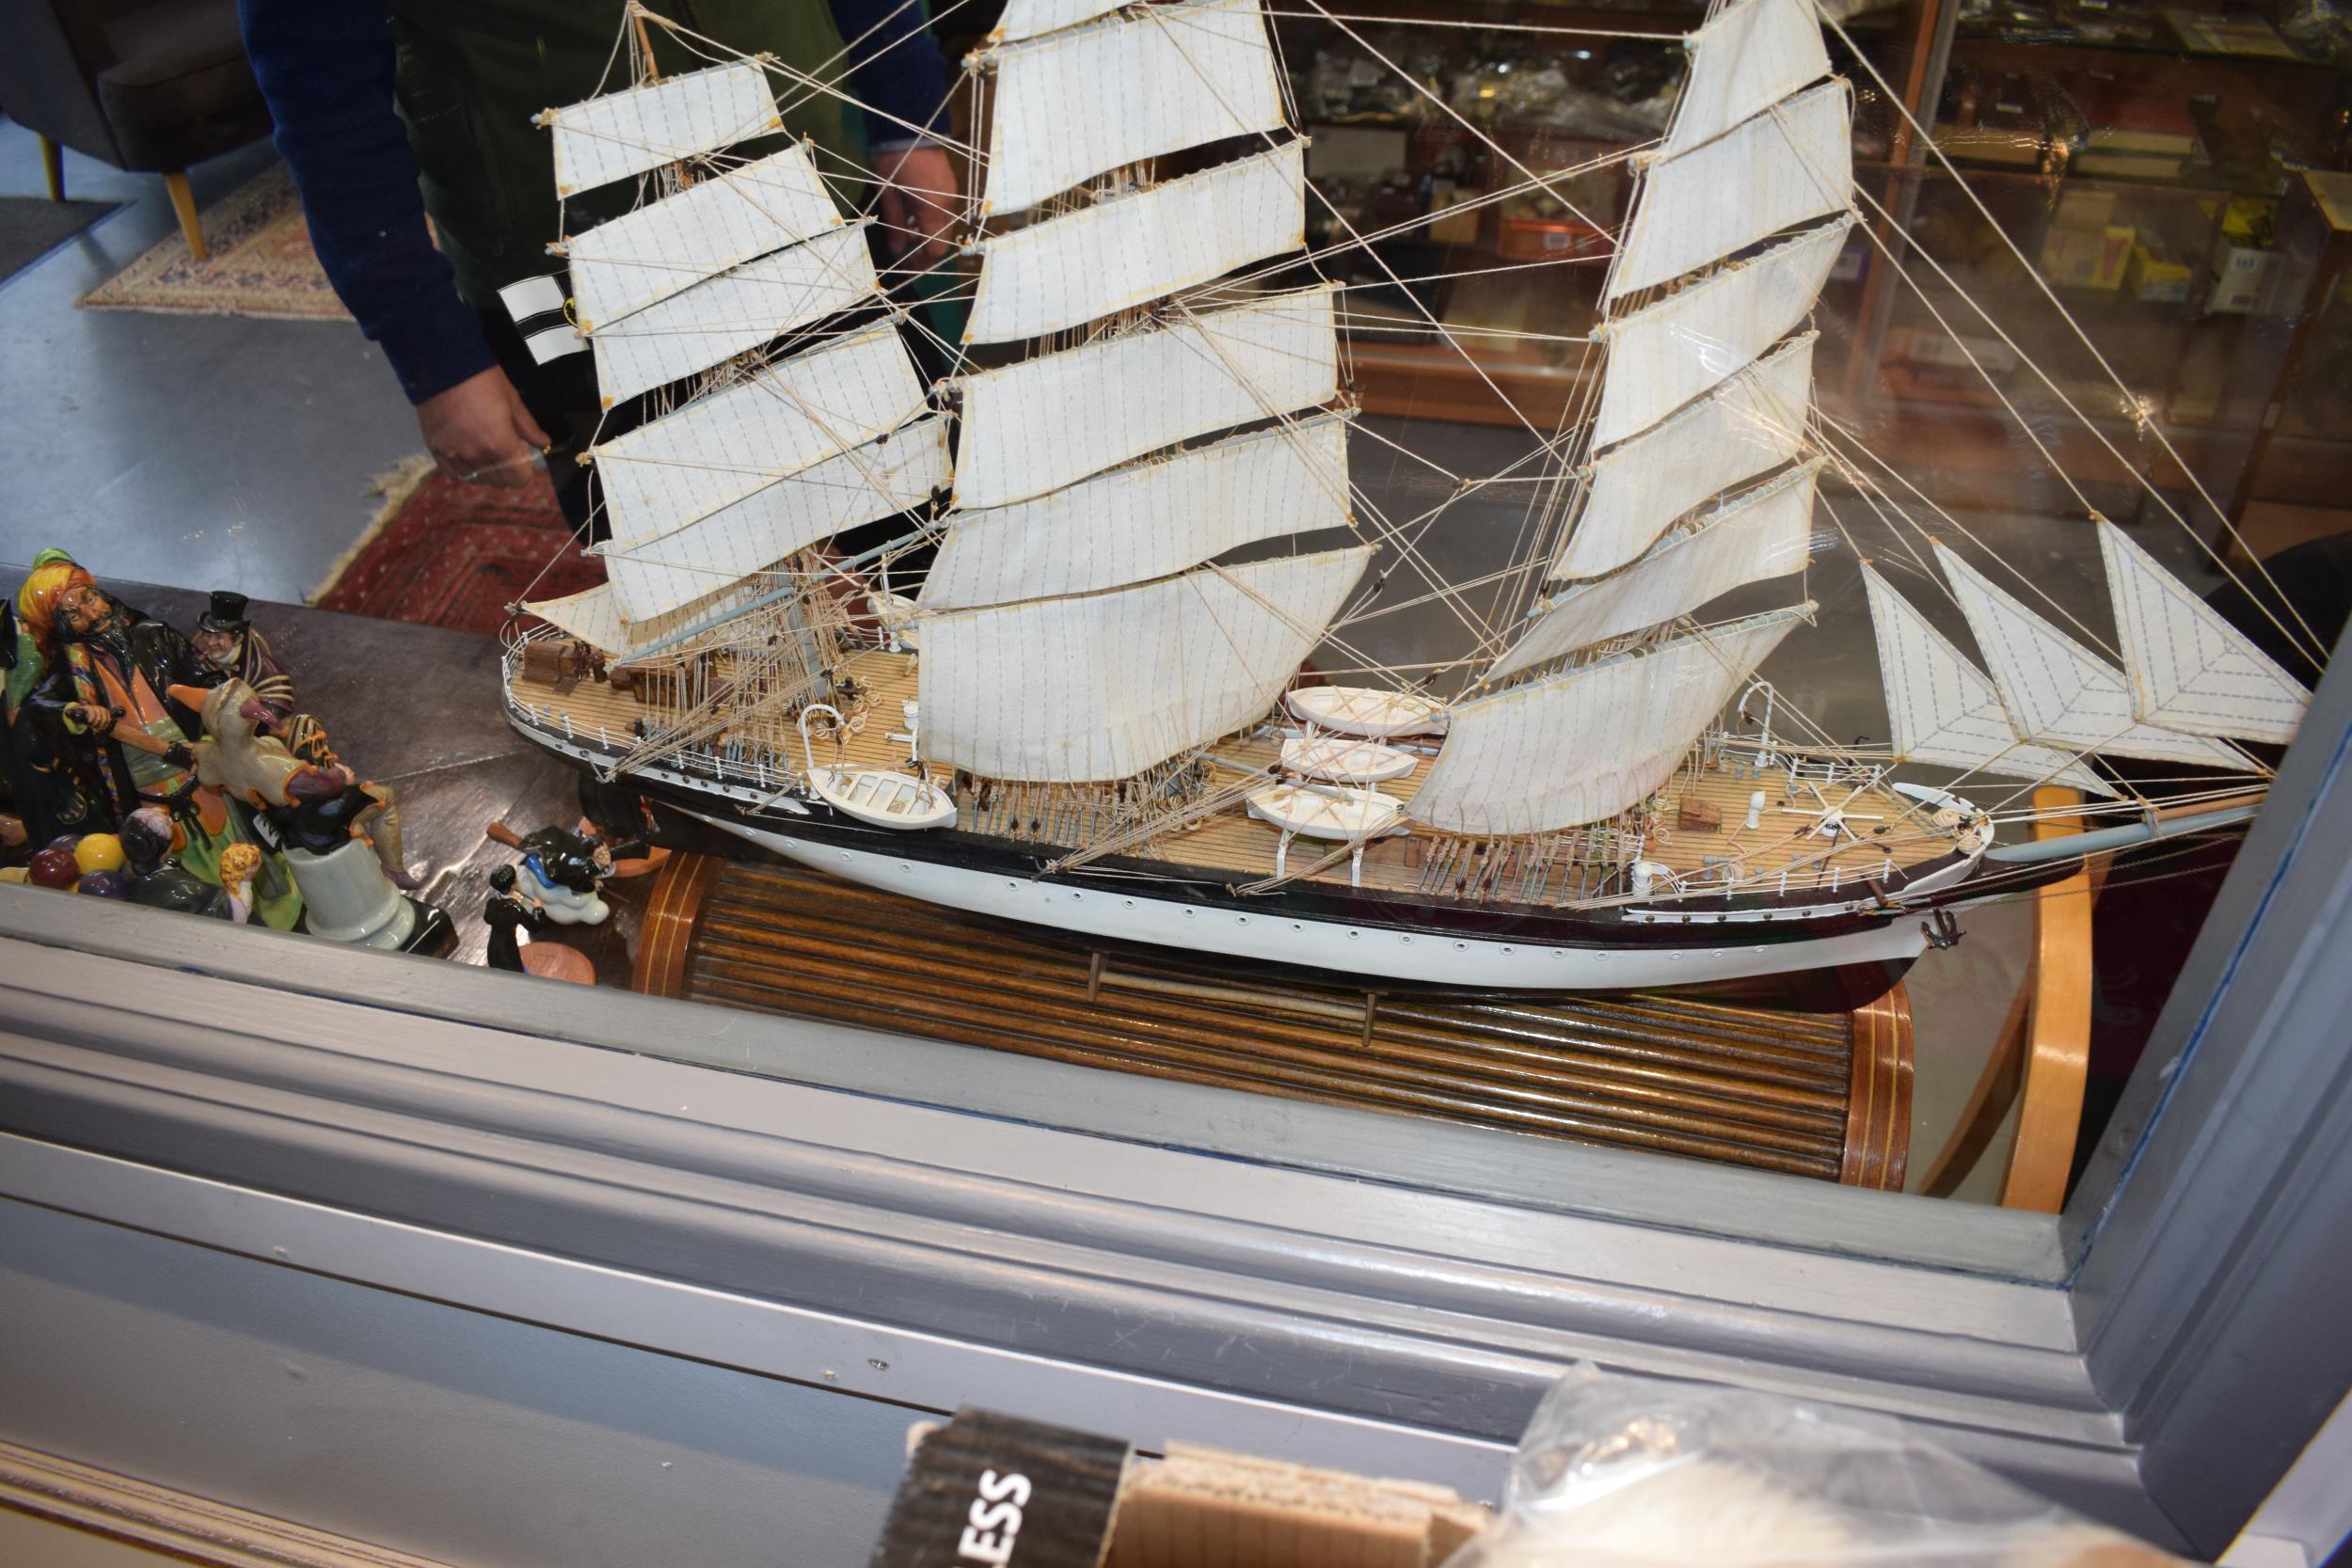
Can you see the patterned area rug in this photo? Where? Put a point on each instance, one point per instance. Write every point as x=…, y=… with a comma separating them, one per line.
x=445, y=554
x=260, y=264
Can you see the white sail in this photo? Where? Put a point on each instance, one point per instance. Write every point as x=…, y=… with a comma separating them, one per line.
x=1662, y=356
x=1045, y=422
x=654, y=252
x=1158, y=517
x=1069, y=107
x=627, y=132
x=2057, y=691
x=652, y=576
x=776, y=421
x=1585, y=744
x=736, y=310
x=1791, y=162
x=1103, y=686
x=594, y=615
x=2191, y=669
x=1753, y=422
x=1753, y=53
x=1942, y=709
x=1763, y=534
x=1125, y=251
x=1028, y=19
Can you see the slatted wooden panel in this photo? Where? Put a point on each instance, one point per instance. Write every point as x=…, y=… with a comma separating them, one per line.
x=1774, y=1091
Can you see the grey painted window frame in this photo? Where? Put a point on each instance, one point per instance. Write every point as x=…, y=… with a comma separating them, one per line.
x=903, y=1220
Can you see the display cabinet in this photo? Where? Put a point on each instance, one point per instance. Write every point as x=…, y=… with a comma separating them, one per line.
x=2140, y=157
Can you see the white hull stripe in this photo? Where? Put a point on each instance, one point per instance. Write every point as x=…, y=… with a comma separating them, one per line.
x=1370, y=950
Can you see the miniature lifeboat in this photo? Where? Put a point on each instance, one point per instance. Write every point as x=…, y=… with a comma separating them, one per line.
x=1365, y=711
x=1326, y=810
x=881, y=797
x=1343, y=760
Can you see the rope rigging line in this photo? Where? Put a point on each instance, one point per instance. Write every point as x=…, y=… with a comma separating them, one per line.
x=2310, y=642
x=1550, y=509
x=1345, y=223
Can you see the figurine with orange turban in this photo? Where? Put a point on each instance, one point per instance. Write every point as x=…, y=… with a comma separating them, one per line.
x=95, y=726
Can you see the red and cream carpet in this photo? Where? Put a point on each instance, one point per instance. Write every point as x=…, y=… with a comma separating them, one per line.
x=445, y=554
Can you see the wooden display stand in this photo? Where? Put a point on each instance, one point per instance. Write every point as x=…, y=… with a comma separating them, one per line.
x=1825, y=1096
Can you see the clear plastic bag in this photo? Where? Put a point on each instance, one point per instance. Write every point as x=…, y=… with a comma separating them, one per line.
x=1627, y=1472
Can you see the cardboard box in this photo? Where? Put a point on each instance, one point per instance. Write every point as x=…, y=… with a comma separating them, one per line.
x=988, y=1490
x=1931, y=347
x=2078, y=208
x=2086, y=258
x=2238, y=272
x=1694, y=815
x=1452, y=227
x=2153, y=279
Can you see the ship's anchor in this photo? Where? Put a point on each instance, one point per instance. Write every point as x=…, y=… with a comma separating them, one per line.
x=1941, y=930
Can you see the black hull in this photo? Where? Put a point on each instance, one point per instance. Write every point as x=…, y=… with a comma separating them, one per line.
x=710, y=822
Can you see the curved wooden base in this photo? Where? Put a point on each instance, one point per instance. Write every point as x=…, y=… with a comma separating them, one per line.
x=666, y=933
x=1878, y=1104
x=1820, y=1095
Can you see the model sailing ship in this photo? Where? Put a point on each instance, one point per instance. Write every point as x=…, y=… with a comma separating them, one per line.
x=1092, y=714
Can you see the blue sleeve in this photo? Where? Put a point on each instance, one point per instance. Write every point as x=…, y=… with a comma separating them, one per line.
x=326, y=67
x=898, y=70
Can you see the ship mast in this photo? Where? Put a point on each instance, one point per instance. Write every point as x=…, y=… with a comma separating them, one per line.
x=1074, y=627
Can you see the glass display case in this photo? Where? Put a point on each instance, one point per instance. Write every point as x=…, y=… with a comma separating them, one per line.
x=2095, y=274
x=2138, y=155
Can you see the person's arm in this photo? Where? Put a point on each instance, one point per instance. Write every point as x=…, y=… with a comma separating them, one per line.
x=898, y=73
x=326, y=68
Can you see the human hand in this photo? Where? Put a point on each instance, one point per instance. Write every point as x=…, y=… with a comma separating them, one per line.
x=919, y=203
x=478, y=432
x=96, y=719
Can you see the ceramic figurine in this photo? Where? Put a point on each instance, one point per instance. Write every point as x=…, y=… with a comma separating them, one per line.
x=238, y=864
x=509, y=912
x=42, y=795
x=149, y=838
x=624, y=820
x=53, y=869
x=98, y=852
x=102, y=693
x=340, y=833
x=99, y=718
x=563, y=871
x=230, y=649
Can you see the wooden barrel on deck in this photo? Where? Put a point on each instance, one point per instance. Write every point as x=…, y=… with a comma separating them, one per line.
x=1819, y=1095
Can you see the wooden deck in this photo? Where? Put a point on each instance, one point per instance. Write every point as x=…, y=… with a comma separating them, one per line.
x=1884, y=826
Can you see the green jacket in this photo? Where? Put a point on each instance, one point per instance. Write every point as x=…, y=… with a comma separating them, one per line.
x=473, y=73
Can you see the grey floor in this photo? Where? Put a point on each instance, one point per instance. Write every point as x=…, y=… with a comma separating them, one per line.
x=211, y=451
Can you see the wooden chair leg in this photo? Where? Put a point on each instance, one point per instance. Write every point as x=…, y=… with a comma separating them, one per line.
x=2041, y=1055
x=52, y=168
x=2058, y=1037
x=183, y=203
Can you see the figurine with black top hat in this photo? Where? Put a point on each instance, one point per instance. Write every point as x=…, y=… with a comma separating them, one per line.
x=229, y=648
